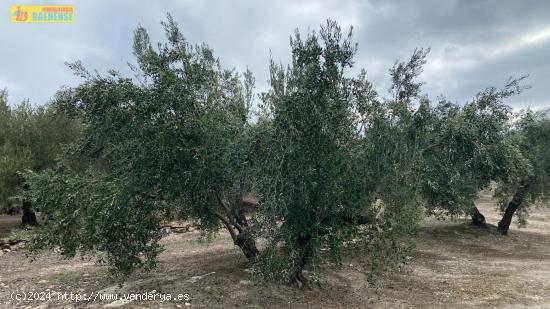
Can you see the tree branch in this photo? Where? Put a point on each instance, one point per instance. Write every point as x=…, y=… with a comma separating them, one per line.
x=229, y=214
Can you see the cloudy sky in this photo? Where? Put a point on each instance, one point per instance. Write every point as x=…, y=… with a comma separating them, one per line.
x=474, y=43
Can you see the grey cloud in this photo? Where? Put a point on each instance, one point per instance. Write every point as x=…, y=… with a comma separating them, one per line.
x=474, y=43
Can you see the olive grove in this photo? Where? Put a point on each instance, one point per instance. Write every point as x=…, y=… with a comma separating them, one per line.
x=334, y=164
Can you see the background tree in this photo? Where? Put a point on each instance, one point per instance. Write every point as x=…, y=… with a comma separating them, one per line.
x=30, y=138
x=531, y=135
x=466, y=149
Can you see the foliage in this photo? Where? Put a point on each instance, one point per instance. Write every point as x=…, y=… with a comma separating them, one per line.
x=30, y=138
x=466, y=148
x=390, y=146
x=172, y=146
x=531, y=135
x=322, y=169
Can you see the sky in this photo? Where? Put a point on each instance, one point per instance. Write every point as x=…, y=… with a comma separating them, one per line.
x=474, y=43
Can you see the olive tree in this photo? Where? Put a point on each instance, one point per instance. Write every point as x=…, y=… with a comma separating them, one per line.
x=439, y=155
x=316, y=193
x=173, y=145
x=531, y=135
x=393, y=135
x=466, y=149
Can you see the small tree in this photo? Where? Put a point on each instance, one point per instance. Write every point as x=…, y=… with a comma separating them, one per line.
x=531, y=135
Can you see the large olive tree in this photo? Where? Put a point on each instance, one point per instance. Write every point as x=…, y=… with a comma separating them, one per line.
x=173, y=145
x=317, y=192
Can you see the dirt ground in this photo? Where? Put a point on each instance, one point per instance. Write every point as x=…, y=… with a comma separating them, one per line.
x=454, y=265
x=7, y=224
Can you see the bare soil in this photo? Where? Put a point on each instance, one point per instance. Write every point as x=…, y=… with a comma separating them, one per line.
x=454, y=265
x=7, y=224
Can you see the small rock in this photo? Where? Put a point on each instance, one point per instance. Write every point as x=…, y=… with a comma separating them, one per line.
x=245, y=282
x=43, y=305
x=197, y=278
x=43, y=281
x=6, y=250
x=188, y=304
x=17, y=246
x=118, y=303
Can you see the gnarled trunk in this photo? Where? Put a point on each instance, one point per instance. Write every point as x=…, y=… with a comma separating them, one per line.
x=514, y=204
x=298, y=278
x=29, y=217
x=478, y=219
x=241, y=237
x=247, y=243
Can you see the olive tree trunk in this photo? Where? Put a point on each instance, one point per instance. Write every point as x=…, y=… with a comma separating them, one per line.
x=514, y=204
x=298, y=278
x=29, y=216
x=478, y=219
x=247, y=244
x=237, y=226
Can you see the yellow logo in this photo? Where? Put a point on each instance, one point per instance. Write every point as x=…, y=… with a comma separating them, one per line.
x=42, y=14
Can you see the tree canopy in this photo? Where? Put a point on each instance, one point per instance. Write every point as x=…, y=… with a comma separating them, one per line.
x=531, y=135
x=173, y=146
